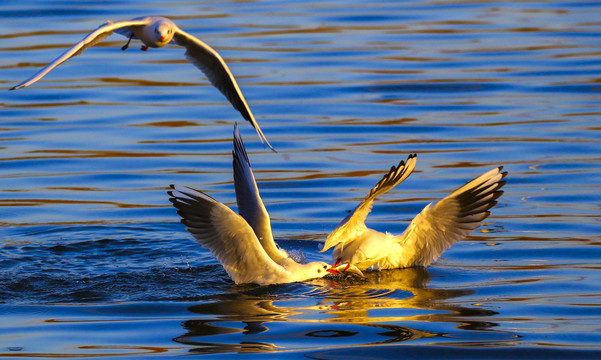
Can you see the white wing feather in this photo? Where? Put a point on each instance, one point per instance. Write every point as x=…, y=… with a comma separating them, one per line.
x=439, y=226
x=227, y=235
x=214, y=67
x=91, y=39
x=250, y=205
x=354, y=224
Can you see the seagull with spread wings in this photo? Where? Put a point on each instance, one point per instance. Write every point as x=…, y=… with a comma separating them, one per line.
x=244, y=243
x=430, y=233
x=155, y=32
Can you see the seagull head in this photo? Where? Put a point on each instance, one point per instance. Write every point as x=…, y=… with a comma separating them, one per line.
x=163, y=31
x=312, y=270
x=321, y=268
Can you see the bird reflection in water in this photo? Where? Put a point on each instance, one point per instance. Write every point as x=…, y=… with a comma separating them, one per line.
x=241, y=321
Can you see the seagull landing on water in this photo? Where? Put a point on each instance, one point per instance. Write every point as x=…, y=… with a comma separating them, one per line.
x=243, y=243
x=428, y=235
x=155, y=32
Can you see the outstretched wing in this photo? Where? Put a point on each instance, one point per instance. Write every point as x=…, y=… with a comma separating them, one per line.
x=227, y=235
x=91, y=39
x=250, y=205
x=214, y=67
x=439, y=226
x=354, y=223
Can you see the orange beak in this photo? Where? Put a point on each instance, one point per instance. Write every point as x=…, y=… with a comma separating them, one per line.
x=162, y=38
x=332, y=271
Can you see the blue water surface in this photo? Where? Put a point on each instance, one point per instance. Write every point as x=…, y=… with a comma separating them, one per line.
x=94, y=261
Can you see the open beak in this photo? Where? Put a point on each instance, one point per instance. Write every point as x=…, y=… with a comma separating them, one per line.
x=345, y=268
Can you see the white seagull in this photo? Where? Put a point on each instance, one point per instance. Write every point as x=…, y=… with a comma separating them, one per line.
x=429, y=234
x=155, y=32
x=243, y=243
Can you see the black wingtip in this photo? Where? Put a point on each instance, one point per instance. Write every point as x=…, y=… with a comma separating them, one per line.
x=404, y=162
x=411, y=157
x=266, y=143
x=261, y=137
x=170, y=192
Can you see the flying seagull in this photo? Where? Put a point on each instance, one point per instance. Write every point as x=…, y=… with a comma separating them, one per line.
x=429, y=234
x=155, y=32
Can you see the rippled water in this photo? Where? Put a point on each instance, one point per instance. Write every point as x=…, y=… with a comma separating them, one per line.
x=93, y=261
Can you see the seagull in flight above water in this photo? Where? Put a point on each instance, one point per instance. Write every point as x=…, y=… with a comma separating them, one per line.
x=430, y=233
x=155, y=32
x=243, y=243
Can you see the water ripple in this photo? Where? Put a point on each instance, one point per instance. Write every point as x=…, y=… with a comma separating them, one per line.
x=94, y=262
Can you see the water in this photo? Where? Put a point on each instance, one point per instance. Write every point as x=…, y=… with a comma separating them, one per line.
x=94, y=262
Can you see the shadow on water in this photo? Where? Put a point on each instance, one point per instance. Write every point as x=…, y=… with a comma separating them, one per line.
x=340, y=312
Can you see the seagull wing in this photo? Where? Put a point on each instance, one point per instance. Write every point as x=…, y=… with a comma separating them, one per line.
x=354, y=223
x=214, y=67
x=439, y=226
x=227, y=235
x=91, y=39
x=250, y=205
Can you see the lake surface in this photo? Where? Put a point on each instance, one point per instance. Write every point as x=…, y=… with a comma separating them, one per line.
x=94, y=261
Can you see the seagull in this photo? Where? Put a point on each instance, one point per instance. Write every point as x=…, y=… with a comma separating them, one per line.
x=429, y=234
x=243, y=243
x=156, y=32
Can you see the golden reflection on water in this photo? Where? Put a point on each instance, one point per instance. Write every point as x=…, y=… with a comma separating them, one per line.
x=383, y=300
x=394, y=289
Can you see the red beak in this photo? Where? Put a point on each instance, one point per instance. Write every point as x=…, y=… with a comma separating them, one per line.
x=332, y=271
x=162, y=38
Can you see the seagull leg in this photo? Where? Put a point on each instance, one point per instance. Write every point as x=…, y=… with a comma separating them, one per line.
x=128, y=41
x=144, y=48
